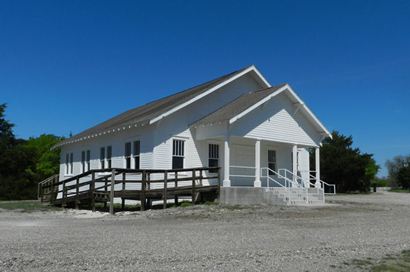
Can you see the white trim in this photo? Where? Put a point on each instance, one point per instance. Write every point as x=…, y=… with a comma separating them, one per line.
x=310, y=113
x=226, y=180
x=234, y=77
x=254, y=106
x=175, y=138
x=317, y=167
x=257, y=182
x=261, y=77
x=299, y=102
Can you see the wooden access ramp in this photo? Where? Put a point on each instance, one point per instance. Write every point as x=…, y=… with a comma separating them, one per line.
x=146, y=186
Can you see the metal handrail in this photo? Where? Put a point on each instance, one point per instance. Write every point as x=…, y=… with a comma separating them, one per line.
x=302, y=183
x=295, y=178
x=272, y=179
x=269, y=178
x=325, y=183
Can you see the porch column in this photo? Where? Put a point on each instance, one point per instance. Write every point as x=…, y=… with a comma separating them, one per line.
x=294, y=163
x=257, y=182
x=317, y=166
x=226, y=181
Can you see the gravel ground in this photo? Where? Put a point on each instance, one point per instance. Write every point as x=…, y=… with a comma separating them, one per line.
x=209, y=238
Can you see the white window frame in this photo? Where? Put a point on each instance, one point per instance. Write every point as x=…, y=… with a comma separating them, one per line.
x=67, y=161
x=180, y=151
x=108, y=158
x=134, y=156
x=88, y=159
x=71, y=163
x=102, y=159
x=214, y=154
x=83, y=158
x=126, y=157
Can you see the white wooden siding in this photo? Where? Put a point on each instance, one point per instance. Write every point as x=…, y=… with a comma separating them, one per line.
x=177, y=125
x=276, y=121
x=117, y=141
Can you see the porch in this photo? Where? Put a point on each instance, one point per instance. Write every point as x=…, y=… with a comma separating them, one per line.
x=256, y=171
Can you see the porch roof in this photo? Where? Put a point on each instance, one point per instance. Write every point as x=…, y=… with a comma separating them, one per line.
x=237, y=106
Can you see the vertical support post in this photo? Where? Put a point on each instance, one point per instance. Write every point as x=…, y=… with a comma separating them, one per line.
x=219, y=184
x=201, y=176
x=226, y=181
x=92, y=189
x=148, y=186
x=176, y=185
x=295, y=164
x=257, y=182
x=38, y=192
x=143, y=185
x=165, y=189
x=123, y=191
x=77, y=193
x=112, y=192
x=317, y=167
x=64, y=195
x=193, y=186
x=53, y=188
x=105, y=190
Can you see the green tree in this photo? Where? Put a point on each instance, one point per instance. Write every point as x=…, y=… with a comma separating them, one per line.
x=394, y=166
x=6, y=128
x=345, y=166
x=403, y=177
x=46, y=159
x=24, y=163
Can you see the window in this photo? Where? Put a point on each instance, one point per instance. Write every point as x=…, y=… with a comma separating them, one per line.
x=71, y=162
x=83, y=161
x=102, y=157
x=178, y=154
x=109, y=155
x=136, y=154
x=127, y=155
x=88, y=160
x=67, y=159
x=272, y=161
x=213, y=157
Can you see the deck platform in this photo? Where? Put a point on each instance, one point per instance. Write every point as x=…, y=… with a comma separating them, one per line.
x=105, y=185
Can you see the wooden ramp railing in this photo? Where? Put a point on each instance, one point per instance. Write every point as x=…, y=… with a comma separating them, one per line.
x=147, y=185
x=47, y=190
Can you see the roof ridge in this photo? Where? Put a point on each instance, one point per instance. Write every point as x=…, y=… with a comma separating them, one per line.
x=272, y=87
x=236, y=103
x=144, y=112
x=198, y=85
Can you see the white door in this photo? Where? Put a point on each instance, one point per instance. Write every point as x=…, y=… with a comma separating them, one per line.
x=303, y=165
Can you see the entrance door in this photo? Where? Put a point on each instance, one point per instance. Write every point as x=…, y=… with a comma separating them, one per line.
x=303, y=165
x=272, y=162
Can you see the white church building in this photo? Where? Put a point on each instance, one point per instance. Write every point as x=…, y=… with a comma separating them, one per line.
x=261, y=136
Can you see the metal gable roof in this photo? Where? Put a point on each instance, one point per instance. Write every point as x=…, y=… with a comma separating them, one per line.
x=239, y=105
x=142, y=115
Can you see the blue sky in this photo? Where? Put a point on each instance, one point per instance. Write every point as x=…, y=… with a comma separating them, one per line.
x=67, y=65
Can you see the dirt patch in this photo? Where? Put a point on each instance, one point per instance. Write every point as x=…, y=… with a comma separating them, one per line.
x=347, y=236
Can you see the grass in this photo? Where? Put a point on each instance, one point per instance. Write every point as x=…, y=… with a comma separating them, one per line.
x=185, y=204
x=182, y=204
x=398, y=190
x=399, y=263
x=35, y=205
x=27, y=206
x=390, y=263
